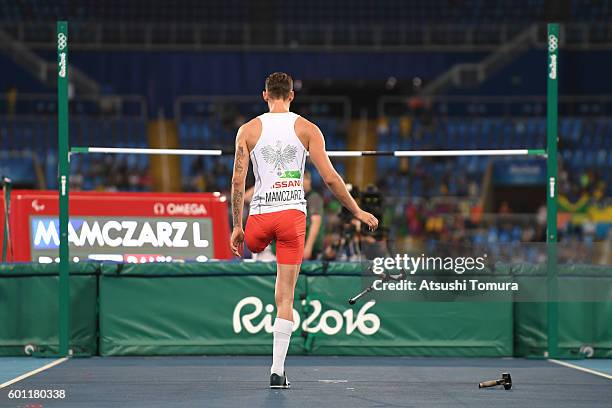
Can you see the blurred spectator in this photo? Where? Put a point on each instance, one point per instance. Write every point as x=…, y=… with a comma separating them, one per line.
x=504, y=208
x=11, y=101
x=314, y=221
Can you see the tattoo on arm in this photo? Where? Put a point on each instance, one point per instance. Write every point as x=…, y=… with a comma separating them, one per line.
x=238, y=194
x=237, y=203
x=239, y=167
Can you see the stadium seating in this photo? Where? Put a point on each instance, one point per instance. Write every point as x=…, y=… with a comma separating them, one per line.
x=38, y=136
x=296, y=11
x=585, y=142
x=585, y=145
x=292, y=11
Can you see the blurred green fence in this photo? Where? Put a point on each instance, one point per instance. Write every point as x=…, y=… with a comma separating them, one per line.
x=227, y=308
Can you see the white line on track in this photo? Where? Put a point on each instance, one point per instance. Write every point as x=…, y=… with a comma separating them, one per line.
x=33, y=372
x=575, y=367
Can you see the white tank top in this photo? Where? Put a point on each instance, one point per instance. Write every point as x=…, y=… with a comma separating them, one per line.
x=278, y=164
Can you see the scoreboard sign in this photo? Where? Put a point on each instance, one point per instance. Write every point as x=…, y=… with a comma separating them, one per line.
x=122, y=227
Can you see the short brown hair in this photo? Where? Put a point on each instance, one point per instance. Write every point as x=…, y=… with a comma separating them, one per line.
x=279, y=85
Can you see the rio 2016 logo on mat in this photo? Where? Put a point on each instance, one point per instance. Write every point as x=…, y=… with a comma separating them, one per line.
x=330, y=322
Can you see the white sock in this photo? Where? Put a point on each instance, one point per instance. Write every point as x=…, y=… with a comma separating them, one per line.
x=282, y=335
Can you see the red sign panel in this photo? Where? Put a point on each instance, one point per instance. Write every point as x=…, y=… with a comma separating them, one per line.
x=123, y=227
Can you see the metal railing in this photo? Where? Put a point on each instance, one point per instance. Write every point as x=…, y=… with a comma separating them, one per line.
x=517, y=106
x=199, y=106
x=192, y=36
x=471, y=75
x=41, y=69
x=29, y=121
x=41, y=105
x=205, y=106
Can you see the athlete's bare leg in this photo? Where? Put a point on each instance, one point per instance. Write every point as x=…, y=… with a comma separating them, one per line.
x=286, y=278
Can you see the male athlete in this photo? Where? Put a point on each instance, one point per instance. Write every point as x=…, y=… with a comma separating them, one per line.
x=277, y=142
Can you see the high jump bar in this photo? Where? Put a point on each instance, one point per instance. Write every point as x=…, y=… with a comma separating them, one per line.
x=334, y=153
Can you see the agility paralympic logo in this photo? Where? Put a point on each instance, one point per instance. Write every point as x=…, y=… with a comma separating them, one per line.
x=329, y=322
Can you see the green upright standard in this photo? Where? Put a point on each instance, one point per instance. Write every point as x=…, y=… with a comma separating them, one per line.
x=551, y=189
x=63, y=174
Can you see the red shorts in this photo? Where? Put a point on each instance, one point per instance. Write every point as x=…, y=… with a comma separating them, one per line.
x=287, y=227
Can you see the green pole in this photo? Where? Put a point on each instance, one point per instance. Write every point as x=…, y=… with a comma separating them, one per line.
x=63, y=167
x=551, y=196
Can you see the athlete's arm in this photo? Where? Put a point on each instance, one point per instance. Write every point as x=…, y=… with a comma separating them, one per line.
x=241, y=167
x=318, y=155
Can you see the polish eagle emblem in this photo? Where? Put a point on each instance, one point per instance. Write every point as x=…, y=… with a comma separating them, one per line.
x=279, y=156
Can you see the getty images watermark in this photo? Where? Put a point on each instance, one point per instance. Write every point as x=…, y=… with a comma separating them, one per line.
x=398, y=274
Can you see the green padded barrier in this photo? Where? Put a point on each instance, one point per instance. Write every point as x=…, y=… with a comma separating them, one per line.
x=413, y=326
x=212, y=308
x=29, y=308
x=188, y=315
x=582, y=321
x=226, y=269
x=224, y=308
